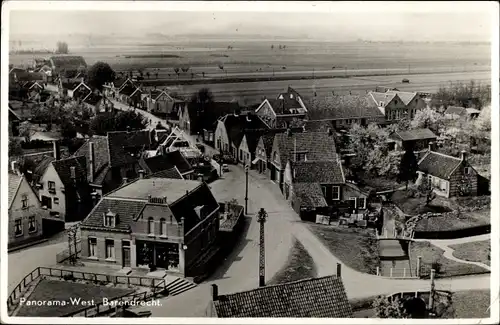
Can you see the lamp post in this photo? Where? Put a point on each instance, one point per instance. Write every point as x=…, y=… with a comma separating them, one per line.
x=246, y=189
x=72, y=238
x=261, y=219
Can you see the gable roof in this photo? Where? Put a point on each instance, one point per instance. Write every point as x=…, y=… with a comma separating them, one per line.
x=63, y=169
x=455, y=110
x=316, y=125
x=14, y=184
x=41, y=168
x=68, y=61
x=126, y=210
x=267, y=140
x=167, y=173
x=340, y=107
x=406, y=97
x=384, y=98
x=415, y=134
x=207, y=118
x=128, y=90
x=165, y=161
x=125, y=147
x=237, y=125
x=323, y=172
x=319, y=297
x=92, y=99
x=101, y=156
x=319, y=146
x=438, y=164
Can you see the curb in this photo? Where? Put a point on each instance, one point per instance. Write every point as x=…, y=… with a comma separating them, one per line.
x=33, y=243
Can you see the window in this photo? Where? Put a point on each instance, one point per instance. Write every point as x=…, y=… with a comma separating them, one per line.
x=92, y=247
x=32, y=224
x=301, y=156
x=56, y=200
x=151, y=226
x=467, y=171
x=163, y=227
x=25, y=201
x=52, y=187
x=335, y=193
x=18, y=227
x=110, y=249
x=275, y=156
x=361, y=202
x=381, y=104
x=323, y=189
x=353, y=202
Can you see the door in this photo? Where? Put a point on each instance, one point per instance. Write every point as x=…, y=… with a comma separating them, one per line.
x=126, y=256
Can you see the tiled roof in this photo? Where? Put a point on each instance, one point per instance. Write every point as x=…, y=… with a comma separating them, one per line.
x=68, y=61
x=342, y=107
x=416, y=134
x=14, y=182
x=63, y=169
x=166, y=161
x=455, y=110
x=30, y=76
x=309, y=195
x=126, y=147
x=101, y=156
x=438, y=164
x=128, y=90
x=317, y=125
x=406, y=97
x=319, y=146
x=472, y=111
x=167, y=173
x=268, y=143
x=41, y=168
x=323, y=172
x=127, y=211
x=21, y=110
x=378, y=97
x=320, y=297
x=237, y=125
x=29, y=84
x=212, y=112
x=93, y=99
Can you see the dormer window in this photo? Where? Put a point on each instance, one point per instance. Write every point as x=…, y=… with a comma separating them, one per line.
x=110, y=219
x=381, y=104
x=291, y=96
x=25, y=201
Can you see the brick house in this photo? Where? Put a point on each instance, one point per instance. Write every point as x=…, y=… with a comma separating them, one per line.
x=285, y=109
x=300, y=146
x=160, y=222
x=114, y=159
x=64, y=191
x=417, y=139
x=344, y=110
x=25, y=211
x=450, y=176
x=315, y=297
x=395, y=105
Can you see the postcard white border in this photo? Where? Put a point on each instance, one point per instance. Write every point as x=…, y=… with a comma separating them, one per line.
x=299, y=6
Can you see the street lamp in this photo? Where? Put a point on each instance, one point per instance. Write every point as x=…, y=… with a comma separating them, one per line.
x=261, y=219
x=246, y=189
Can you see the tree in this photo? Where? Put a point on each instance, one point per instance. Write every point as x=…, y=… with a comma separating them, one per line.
x=272, y=47
x=99, y=74
x=176, y=70
x=148, y=74
x=428, y=118
x=156, y=74
x=203, y=74
x=62, y=48
x=483, y=122
x=121, y=121
x=202, y=97
x=408, y=167
x=15, y=148
x=26, y=130
x=386, y=307
x=27, y=167
x=192, y=75
x=68, y=130
x=426, y=189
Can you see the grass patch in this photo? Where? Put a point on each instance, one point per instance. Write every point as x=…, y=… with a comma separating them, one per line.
x=453, y=221
x=471, y=304
x=380, y=183
x=300, y=266
x=357, y=248
x=62, y=291
x=417, y=205
x=475, y=251
x=431, y=254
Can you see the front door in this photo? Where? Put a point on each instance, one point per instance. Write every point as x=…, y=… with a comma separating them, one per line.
x=126, y=256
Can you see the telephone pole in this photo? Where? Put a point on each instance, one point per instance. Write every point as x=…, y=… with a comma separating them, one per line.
x=261, y=219
x=246, y=189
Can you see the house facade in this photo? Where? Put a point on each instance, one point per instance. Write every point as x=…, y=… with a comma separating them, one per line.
x=112, y=89
x=449, y=176
x=25, y=211
x=282, y=111
x=156, y=222
x=159, y=102
x=263, y=152
x=417, y=139
x=396, y=105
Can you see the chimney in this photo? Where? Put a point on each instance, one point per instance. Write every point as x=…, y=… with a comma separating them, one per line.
x=94, y=198
x=57, y=150
x=13, y=166
x=215, y=292
x=91, y=161
x=329, y=131
x=463, y=155
x=72, y=171
x=339, y=270
x=289, y=132
x=431, y=145
x=125, y=180
x=141, y=173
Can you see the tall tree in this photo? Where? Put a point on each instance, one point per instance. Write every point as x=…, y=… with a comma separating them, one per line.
x=62, y=48
x=121, y=121
x=428, y=118
x=408, y=167
x=15, y=148
x=99, y=74
x=26, y=130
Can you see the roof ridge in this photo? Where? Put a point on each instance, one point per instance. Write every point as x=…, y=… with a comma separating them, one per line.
x=120, y=198
x=445, y=155
x=283, y=284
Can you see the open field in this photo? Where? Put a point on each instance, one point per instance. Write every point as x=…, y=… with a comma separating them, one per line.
x=357, y=248
x=62, y=291
x=475, y=251
x=471, y=304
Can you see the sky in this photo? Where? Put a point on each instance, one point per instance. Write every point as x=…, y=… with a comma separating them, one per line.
x=383, y=22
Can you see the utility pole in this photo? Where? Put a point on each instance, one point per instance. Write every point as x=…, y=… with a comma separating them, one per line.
x=431, y=296
x=246, y=189
x=261, y=219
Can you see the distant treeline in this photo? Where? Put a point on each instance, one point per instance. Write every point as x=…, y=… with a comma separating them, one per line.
x=31, y=52
x=153, y=56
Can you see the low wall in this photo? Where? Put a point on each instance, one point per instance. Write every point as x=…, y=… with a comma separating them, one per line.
x=452, y=234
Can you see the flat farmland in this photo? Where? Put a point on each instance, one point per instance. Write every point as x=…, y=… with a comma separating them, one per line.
x=251, y=92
